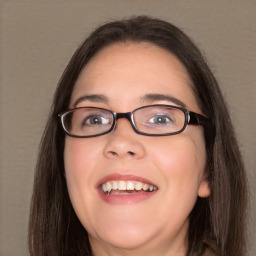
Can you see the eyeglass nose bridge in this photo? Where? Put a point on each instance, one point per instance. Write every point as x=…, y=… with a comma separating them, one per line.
x=128, y=116
x=123, y=115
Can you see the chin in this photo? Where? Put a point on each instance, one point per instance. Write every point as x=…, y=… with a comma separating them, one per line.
x=129, y=239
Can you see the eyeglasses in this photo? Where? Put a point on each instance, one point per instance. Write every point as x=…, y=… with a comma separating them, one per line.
x=153, y=120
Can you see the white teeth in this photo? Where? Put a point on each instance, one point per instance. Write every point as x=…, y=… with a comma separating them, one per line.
x=108, y=186
x=126, y=185
x=130, y=185
x=145, y=187
x=104, y=188
x=114, y=184
x=122, y=185
x=139, y=185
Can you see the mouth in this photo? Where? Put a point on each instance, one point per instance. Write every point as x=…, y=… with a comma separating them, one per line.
x=126, y=187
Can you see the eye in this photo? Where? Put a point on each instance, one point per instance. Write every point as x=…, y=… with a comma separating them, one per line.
x=96, y=120
x=160, y=119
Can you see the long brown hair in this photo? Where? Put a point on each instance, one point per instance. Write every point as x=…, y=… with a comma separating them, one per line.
x=54, y=228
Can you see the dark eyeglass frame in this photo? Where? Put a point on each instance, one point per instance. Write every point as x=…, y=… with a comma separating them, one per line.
x=190, y=118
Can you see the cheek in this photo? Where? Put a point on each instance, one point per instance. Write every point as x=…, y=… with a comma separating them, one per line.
x=179, y=162
x=79, y=156
x=79, y=160
x=181, y=159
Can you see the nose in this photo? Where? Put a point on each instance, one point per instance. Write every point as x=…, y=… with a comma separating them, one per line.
x=123, y=142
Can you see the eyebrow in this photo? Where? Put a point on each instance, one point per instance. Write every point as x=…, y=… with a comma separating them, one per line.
x=150, y=98
x=92, y=98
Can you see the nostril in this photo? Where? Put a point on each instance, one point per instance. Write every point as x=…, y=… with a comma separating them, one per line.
x=131, y=153
x=113, y=153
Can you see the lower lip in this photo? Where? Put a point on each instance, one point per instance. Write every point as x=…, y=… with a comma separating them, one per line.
x=126, y=198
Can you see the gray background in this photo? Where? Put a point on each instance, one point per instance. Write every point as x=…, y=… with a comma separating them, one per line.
x=37, y=38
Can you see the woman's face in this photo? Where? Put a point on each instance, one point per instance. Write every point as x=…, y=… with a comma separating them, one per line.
x=121, y=78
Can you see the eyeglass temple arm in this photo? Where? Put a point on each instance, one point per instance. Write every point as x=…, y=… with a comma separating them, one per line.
x=209, y=130
x=198, y=119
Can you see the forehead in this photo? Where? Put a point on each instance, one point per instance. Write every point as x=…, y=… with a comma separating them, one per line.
x=128, y=70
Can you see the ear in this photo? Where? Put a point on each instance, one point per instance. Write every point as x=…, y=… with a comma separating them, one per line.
x=204, y=189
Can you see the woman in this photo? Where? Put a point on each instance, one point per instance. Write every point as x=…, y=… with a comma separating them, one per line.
x=139, y=156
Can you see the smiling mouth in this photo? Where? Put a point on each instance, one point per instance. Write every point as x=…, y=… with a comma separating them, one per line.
x=126, y=187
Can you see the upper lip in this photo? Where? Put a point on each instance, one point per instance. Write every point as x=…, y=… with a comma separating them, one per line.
x=126, y=177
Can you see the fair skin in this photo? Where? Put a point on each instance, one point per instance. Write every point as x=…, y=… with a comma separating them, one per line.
x=157, y=224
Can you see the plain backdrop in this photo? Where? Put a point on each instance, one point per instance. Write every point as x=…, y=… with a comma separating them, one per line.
x=37, y=39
